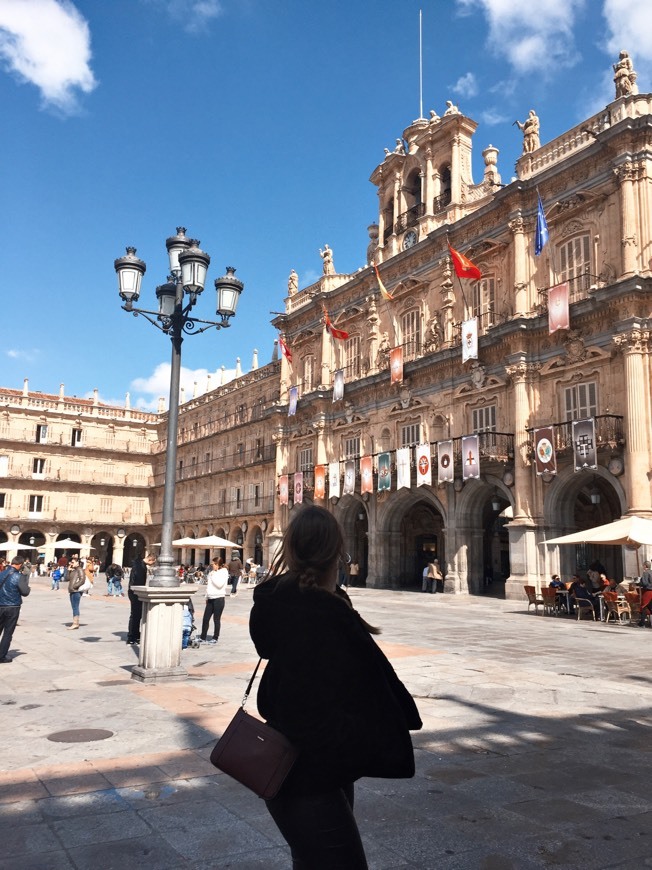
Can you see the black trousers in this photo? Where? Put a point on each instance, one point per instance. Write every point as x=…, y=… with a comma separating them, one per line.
x=135, y=616
x=214, y=608
x=8, y=619
x=320, y=830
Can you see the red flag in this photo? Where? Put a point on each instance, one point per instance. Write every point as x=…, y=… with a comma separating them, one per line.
x=384, y=292
x=464, y=268
x=336, y=333
x=285, y=350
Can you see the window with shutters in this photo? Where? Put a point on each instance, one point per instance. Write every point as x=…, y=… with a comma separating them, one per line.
x=41, y=433
x=575, y=264
x=484, y=301
x=308, y=373
x=3, y=503
x=35, y=505
x=352, y=357
x=484, y=420
x=411, y=334
x=76, y=437
x=410, y=434
x=38, y=467
x=305, y=459
x=581, y=401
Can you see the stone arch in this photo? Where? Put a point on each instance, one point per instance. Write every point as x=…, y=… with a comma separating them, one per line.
x=134, y=546
x=352, y=513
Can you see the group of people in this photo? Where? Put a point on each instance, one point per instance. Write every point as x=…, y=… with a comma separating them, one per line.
x=587, y=591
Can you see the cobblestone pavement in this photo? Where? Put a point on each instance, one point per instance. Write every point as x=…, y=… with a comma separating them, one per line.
x=535, y=750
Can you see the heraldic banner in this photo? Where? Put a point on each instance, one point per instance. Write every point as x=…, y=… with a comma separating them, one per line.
x=424, y=470
x=584, y=444
x=294, y=398
x=384, y=472
x=283, y=486
x=403, y=467
x=469, y=339
x=396, y=365
x=470, y=457
x=445, y=464
x=349, y=477
x=338, y=385
x=544, y=451
x=298, y=487
x=320, y=481
x=366, y=474
x=334, y=479
x=558, y=313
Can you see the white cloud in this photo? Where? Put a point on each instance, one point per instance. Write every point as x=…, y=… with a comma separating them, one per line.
x=492, y=117
x=193, y=15
x=27, y=355
x=534, y=37
x=145, y=392
x=47, y=43
x=629, y=24
x=466, y=86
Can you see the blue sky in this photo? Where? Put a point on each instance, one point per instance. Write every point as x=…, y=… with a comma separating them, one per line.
x=255, y=124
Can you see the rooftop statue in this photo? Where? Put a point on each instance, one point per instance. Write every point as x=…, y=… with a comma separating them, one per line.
x=530, y=128
x=625, y=76
x=327, y=257
x=293, y=283
x=451, y=108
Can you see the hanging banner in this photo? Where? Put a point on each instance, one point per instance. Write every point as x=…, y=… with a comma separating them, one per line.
x=294, y=398
x=338, y=385
x=366, y=474
x=298, y=487
x=558, y=313
x=445, y=464
x=320, y=481
x=470, y=457
x=349, y=477
x=469, y=339
x=396, y=365
x=384, y=472
x=544, y=451
x=424, y=470
x=334, y=479
x=403, y=467
x=584, y=444
x=283, y=489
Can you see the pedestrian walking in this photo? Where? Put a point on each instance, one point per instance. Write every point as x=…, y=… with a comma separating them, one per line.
x=235, y=572
x=330, y=690
x=14, y=586
x=216, y=584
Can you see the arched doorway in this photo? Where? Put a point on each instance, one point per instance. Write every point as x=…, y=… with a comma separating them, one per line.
x=134, y=546
x=496, y=513
x=102, y=548
x=421, y=541
x=352, y=515
x=36, y=540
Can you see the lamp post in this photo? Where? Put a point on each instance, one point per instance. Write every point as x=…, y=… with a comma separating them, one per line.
x=176, y=300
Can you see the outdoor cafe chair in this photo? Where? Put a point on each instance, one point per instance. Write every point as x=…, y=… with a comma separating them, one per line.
x=533, y=598
x=634, y=601
x=550, y=601
x=618, y=608
x=583, y=605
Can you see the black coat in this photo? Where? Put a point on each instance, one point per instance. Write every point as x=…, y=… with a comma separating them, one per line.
x=329, y=688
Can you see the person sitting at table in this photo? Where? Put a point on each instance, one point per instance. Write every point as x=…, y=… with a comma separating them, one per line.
x=582, y=594
x=645, y=583
x=556, y=582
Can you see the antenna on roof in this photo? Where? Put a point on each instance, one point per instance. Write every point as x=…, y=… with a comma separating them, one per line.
x=420, y=64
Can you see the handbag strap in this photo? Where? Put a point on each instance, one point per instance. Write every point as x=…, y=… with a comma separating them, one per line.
x=251, y=682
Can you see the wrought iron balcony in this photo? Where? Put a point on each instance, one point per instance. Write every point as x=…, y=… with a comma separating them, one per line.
x=409, y=218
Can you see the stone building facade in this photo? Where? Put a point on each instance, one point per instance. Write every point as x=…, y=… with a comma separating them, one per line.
x=238, y=443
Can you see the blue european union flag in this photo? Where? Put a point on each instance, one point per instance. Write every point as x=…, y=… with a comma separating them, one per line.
x=541, y=236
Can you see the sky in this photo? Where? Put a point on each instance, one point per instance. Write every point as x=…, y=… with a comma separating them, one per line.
x=256, y=125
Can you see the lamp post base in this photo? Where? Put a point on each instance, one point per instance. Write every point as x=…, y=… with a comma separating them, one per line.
x=161, y=633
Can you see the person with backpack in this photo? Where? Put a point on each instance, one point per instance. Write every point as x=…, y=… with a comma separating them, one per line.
x=14, y=586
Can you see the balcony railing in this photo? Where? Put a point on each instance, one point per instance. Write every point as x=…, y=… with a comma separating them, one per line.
x=609, y=433
x=441, y=202
x=579, y=288
x=27, y=435
x=409, y=218
x=203, y=513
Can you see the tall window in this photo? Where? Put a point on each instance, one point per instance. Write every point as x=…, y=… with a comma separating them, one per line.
x=4, y=466
x=76, y=437
x=72, y=504
x=3, y=503
x=105, y=507
x=484, y=420
x=41, y=433
x=305, y=459
x=410, y=434
x=575, y=261
x=352, y=448
x=237, y=497
x=352, y=357
x=484, y=300
x=38, y=467
x=411, y=334
x=35, y=504
x=308, y=373
x=581, y=401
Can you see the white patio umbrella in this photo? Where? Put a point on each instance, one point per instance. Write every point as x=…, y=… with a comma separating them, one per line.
x=184, y=542
x=10, y=545
x=65, y=544
x=629, y=531
x=215, y=541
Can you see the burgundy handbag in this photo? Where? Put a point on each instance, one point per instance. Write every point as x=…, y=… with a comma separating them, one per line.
x=259, y=757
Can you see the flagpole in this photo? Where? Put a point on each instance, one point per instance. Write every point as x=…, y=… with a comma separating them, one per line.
x=420, y=63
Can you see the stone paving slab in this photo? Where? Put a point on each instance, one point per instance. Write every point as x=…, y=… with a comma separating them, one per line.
x=535, y=751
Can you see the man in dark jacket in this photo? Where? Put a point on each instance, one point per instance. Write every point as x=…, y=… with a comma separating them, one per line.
x=14, y=586
x=137, y=577
x=235, y=572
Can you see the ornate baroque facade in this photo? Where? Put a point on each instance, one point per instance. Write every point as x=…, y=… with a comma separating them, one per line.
x=237, y=441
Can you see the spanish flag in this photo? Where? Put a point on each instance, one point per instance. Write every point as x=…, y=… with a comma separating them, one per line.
x=384, y=292
x=464, y=268
x=336, y=333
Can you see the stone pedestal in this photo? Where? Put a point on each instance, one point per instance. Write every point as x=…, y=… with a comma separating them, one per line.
x=160, y=633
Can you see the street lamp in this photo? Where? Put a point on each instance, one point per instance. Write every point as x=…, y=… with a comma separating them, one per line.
x=176, y=299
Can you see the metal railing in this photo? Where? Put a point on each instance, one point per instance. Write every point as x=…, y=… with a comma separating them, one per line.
x=609, y=432
x=409, y=218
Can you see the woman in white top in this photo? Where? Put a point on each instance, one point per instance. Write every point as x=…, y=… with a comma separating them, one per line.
x=216, y=583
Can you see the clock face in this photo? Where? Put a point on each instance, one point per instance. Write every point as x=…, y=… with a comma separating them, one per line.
x=409, y=239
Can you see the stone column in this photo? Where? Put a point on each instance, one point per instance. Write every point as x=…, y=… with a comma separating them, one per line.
x=285, y=379
x=160, y=633
x=627, y=174
x=326, y=344
x=635, y=347
x=521, y=303
x=429, y=191
x=447, y=302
